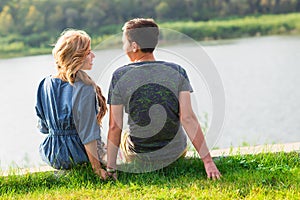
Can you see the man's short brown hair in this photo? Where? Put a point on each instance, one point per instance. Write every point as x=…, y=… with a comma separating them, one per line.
x=142, y=31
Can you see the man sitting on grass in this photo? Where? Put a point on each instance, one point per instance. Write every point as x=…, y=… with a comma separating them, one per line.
x=156, y=97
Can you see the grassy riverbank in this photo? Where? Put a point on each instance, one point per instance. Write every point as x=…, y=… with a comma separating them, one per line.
x=262, y=176
x=239, y=27
x=17, y=45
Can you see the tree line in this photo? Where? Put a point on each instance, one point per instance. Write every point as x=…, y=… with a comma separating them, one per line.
x=43, y=20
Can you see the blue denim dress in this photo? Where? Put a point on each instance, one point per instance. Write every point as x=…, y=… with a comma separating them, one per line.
x=67, y=114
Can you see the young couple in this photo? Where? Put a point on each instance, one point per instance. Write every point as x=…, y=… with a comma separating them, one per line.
x=154, y=94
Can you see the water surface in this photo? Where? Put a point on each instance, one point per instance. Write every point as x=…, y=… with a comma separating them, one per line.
x=260, y=78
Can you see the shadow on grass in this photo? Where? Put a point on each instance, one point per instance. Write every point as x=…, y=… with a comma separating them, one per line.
x=267, y=170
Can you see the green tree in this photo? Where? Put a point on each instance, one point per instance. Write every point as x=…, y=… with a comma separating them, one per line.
x=288, y=6
x=162, y=9
x=3, y=3
x=240, y=7
x=6, y=21
x=253, y=6
x=149, y=8
x=55, y=19
x=95, y=14
x=72, y=17
x=34, y=20
x=264, y=5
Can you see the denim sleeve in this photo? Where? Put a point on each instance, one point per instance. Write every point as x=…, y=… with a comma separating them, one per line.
x=85, y=115
x=42, y=125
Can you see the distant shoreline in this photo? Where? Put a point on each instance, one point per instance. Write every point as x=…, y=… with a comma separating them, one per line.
x=248, y=26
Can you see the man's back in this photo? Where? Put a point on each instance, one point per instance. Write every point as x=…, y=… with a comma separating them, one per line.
x=149, y=92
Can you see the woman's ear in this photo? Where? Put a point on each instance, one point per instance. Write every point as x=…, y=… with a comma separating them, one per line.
x=135, y=47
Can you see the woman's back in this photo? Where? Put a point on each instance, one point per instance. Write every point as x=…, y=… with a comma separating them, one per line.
x=63, y=146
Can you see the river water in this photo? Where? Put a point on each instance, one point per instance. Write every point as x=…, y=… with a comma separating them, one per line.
x=260, y=79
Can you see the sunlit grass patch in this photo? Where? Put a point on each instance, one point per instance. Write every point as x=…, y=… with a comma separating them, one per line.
x=266, y=175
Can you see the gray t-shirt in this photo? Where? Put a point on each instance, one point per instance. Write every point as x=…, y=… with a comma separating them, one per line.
x=149, y=92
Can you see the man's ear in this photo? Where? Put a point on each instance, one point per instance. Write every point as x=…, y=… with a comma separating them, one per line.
x=135, y=47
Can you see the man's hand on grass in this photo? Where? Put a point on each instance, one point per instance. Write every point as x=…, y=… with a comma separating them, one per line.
x=114, y=175
x=212, y=170
x=101, y=173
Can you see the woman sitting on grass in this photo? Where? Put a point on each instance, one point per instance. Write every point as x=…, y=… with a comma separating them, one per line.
x=70, y=107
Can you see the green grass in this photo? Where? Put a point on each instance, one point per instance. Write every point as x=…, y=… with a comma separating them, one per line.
x=262, y=176
x=25, y=52
x=239, y=27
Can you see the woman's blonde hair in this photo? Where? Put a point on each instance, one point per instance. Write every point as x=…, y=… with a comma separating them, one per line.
x=70, y=52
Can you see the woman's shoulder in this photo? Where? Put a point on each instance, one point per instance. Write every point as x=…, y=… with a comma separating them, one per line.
x=52, y=83
x=44, y=79
x=52, y=79
x=82, y=89
x=82, y=86
x=42, y=83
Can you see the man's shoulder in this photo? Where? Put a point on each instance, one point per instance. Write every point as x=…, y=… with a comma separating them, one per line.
x=168, y=63
x=119, y=72
x=122, y=70
x=173, y=65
